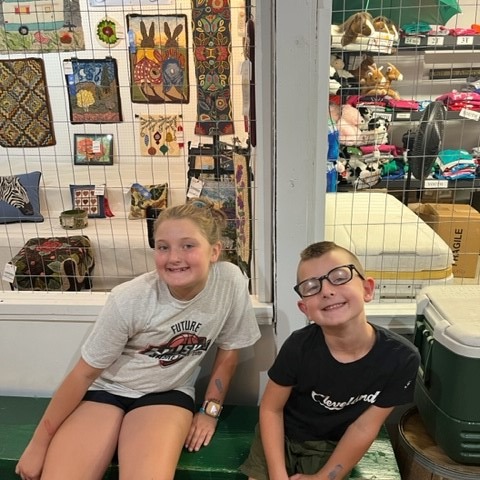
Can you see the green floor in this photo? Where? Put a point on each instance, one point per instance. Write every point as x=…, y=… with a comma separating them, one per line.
x=219, y=461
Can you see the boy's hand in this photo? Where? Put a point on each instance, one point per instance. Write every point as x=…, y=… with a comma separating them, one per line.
x=201, y=432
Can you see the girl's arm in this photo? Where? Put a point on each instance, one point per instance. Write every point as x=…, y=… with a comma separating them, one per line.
x=203, y=426
x=63, y=403
x=271, y=428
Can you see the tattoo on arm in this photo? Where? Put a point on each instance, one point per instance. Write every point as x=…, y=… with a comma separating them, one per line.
x=219, y=385
x=335, y=472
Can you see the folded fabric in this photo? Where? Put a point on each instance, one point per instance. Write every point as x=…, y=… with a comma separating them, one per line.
x=403, y=104
x=449, y=156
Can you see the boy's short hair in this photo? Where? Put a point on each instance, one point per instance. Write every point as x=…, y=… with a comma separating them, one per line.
x=319, y=249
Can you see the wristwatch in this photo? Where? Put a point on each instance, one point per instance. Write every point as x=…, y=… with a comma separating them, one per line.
x=212, y=408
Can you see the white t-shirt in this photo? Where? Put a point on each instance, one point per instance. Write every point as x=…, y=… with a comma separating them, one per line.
x=148, y=341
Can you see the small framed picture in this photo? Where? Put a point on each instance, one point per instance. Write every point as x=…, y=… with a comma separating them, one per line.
x=93, y=149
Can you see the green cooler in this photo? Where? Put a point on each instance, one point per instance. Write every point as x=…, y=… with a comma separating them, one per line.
x=447, y=394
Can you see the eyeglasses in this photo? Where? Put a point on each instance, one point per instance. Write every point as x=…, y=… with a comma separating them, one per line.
x=337, y=276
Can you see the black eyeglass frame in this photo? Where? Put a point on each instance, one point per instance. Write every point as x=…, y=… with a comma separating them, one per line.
x=320, y=279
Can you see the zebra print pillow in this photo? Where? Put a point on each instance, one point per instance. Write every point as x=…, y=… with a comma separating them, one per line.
x=19, y=198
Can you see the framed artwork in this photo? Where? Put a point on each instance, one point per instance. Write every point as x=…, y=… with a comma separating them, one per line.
x=161, y=135
x=41, y=26
x=93, y=149
x=158, y=58
x=93, y=90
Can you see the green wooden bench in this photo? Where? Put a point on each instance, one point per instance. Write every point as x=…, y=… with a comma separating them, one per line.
x=219, y=461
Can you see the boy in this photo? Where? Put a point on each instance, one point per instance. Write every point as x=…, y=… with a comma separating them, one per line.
x=335, y=381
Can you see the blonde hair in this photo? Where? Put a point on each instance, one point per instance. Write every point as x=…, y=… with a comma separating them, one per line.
x=203, y=212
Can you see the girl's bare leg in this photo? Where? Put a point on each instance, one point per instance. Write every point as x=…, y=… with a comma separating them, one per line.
x=151, y=441
x=84, y=445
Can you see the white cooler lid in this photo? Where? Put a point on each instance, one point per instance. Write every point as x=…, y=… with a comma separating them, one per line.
x=453, y=311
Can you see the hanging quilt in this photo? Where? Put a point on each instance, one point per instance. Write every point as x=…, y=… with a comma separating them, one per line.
x=158, y=58
x=212, y=51
x=25, y=116
x=93, y=90
x=230, y=191
x=161, y=135
x=41, y=26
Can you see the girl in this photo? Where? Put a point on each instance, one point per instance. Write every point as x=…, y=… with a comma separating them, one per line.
x=132, y=390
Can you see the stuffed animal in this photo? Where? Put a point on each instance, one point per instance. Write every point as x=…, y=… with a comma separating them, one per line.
x=334, y=85
x=374, y=81
x=362, y=174
x=377, y=131
x=339, y=65
x=359, y=23
x=392, y=73
x=362, y=69
x=348, y=125
x=384, y=24
x=367, y=114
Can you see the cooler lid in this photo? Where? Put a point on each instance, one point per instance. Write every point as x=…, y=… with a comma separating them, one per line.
x=453, y=311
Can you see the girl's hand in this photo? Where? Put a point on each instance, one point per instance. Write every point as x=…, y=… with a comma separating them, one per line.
x=30, y=465
x=201, y=432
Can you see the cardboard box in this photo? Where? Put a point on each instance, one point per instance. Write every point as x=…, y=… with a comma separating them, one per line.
x=459, y=226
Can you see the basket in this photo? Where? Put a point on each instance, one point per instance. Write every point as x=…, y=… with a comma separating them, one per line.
x=74, y=219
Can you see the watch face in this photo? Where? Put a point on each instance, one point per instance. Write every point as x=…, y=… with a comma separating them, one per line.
x=213, y=408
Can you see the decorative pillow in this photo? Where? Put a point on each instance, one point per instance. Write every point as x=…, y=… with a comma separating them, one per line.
x=85, y=198
x=143, y=196
x=19, y=198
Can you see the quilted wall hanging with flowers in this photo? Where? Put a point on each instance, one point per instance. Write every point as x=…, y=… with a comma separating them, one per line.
x=211, y=21
x=158, y=58
x=161, y=135
x=41, y=26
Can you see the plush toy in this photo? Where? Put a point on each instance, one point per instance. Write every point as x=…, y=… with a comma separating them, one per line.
x=367, y=114
x=359, y=23
x=374, y=82
x=334, y=85
x=362, y=69
x=349, y=126
x=339, y=65
x=384, y=24
x=392, y=73
x=362, y=174
x=377, y=131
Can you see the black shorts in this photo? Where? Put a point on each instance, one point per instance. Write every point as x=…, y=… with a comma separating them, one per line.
x=127, y=404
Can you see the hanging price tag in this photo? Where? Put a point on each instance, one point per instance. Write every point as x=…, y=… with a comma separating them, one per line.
x=195, y=188
x=9, y=273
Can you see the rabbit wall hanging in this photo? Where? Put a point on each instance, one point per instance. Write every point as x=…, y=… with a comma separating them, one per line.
x=212, y=45
x=158, y=52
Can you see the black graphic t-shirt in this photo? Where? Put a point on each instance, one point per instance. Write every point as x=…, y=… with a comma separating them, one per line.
x=327, y=395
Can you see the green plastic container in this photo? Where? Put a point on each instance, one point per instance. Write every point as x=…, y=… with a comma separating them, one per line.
x=447, y=394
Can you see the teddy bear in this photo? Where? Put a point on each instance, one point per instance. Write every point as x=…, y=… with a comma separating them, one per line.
x=339, y=65
x=349, y=126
